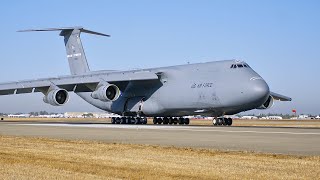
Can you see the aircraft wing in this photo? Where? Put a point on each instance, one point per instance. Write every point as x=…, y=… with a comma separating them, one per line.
x=280, y=97
x=76, y=83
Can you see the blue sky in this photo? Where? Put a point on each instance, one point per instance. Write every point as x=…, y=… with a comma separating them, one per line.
x=279, y=39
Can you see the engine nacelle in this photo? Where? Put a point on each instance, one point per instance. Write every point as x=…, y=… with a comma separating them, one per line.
x=268, y=104
x=57, y=97
x=109, y=92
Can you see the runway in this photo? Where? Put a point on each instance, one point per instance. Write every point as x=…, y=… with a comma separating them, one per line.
x=296, y=141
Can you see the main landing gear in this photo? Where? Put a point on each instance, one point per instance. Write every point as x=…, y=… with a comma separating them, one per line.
x=129, y=120
x=222, y=121
x=170, y=120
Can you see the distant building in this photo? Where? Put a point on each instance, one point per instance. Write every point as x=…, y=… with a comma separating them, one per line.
x=249, y=117
x=93, y=115
x=303, y=117
x=51, y=116
x=19, y=115
x=274, y=117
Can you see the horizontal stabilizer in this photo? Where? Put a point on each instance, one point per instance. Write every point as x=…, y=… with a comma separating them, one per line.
x=280, y=97
x=66, y=29
x=75, y=53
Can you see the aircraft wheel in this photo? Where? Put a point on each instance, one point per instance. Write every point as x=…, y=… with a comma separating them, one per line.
x=155, y=120
x=133, y=120
x=118, y=120
x=128, y=120
x=144, y=120
x=113, y=120
x=186, y=121
x=137, y=120
x=123, y=120
x=175, y=121
x=219, y=121
x=165, y=120
x=170, y=121
x=224, y=121
x=229, y=122
x=215, y=122
x=181, y=121
x=160, y=120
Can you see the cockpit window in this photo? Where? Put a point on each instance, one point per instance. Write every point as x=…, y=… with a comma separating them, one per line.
x=240, y=65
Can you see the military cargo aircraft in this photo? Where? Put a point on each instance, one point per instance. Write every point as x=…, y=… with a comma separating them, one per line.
x=167, y=94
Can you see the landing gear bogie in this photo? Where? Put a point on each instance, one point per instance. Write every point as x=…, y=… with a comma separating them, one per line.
x=129, y=120
x=171, y=121
x=222, y=122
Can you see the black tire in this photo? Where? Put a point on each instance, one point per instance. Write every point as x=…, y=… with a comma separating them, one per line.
x=170, y=121
x=181, y=121
x=229, y=122
x=165, y=120
x=224, y=121
x=123, y=120
x=186, y=121
x=144, y=120
x=128, y=120
x=160, y=120
x=215, y=122
x=175, y=121
x=219, y=122
x=118, y=120
x=155, y=120
x=113, y=120
x=136, y=120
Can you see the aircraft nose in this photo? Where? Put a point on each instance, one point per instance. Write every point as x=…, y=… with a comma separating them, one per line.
x=260, y=89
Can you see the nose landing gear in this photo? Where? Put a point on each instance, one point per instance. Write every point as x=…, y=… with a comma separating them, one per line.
x=222, y=121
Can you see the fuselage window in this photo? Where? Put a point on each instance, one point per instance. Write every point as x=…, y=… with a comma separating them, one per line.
x=232, y=66
x=245, y=65
x=240, y=65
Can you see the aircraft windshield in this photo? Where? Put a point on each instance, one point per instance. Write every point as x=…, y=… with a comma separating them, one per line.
x=240, y=65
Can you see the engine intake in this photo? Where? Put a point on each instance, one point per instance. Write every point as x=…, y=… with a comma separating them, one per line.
x=57, y=97
x=109, y=92
x=268, y=104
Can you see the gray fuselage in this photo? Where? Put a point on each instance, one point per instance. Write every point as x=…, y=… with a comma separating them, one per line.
x=212, y=89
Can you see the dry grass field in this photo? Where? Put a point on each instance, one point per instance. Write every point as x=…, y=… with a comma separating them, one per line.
x=41, y=158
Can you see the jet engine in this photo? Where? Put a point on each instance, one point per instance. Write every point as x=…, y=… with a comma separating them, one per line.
x=56, y=97
x=109, y=92
x=268, y=104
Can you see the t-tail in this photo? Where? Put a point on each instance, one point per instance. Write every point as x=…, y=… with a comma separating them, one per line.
x=75, y=53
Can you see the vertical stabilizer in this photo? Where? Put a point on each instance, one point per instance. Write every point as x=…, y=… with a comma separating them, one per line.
x=75, y=53
x=77, y=59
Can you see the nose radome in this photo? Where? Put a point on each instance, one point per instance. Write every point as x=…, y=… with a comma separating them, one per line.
x=260, y=89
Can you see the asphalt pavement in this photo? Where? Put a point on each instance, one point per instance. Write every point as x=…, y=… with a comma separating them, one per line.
x=295, y=141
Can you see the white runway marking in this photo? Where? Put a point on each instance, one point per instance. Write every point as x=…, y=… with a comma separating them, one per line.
x=167, y=128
